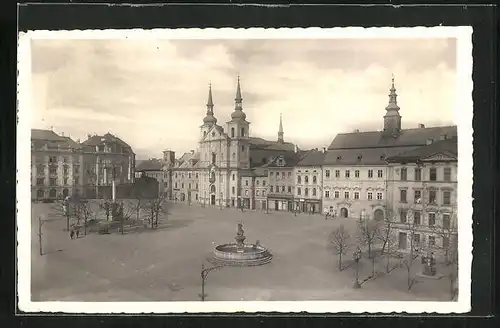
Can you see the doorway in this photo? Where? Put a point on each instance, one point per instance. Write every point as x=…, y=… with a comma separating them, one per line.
x=276, y=205
x=344, y=212
x=212, y=199
x=378, y=215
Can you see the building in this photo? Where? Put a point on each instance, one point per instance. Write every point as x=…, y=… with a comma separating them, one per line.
x=308, y=179
x=56, y=163
x=225, y=170
x=153, y=168
x=106, y=158
x=280, y=196
x=422, y=188
x=355, y=168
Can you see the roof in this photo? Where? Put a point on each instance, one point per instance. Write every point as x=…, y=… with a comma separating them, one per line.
x=108, y=137
x=37, y=134
x=312, y=158
x=290, y=160
x=362, y=156
x=448, y=147
x=259, y=143
x=153, y=164
x=377, y=139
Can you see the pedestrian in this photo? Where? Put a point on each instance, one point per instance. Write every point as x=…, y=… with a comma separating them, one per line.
x=72, y=234
x=77, y=232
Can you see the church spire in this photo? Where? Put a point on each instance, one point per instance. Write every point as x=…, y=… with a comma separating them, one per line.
x=280, y=131
x=392, y=119
x=238, y=113
x=210, y=118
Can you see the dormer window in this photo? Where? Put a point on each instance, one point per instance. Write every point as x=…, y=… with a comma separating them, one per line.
x=382, y=157
x=339, y=158
x=359, y=158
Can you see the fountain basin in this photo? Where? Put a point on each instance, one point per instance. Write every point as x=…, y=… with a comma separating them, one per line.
x=237, y=255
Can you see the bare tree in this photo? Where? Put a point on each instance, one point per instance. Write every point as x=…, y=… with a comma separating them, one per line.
x=63, y=208
x=83, y=212
x=155, y=208
x=416, y=242
x=107, y=206
x=385, y=232
x=447, y=234
x=368, y=230
x=340, y=239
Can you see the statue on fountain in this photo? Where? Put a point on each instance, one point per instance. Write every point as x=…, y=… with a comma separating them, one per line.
x=240, y=238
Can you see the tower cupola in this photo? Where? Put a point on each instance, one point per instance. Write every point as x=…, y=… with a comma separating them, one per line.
x=238, y=113
x=210, y=118
x=392, y=119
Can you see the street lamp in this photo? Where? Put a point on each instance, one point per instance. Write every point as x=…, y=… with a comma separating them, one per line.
x=220, y=201
x=204, y=274
x=357, y=256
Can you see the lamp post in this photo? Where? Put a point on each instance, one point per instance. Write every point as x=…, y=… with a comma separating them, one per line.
x=204, y=198
x=220, y=201
x=204, y=274
x=267, y=206
x=357, y=256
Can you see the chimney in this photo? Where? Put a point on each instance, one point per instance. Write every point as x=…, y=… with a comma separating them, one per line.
x=421, y=126
x=324, y=150
x=429, y=141
x=443, y=137
x=89, y=135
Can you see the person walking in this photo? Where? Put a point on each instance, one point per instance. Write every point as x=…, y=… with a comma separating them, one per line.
x=72, y=233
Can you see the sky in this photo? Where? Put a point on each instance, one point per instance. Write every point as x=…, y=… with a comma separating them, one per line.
x=153, y=93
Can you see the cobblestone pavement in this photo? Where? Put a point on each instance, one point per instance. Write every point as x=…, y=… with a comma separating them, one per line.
x=164, y=264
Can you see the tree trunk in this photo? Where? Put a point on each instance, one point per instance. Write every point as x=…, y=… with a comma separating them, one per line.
x=387, y=263
x=373, y=266
x=40, y=235
x=340, y=262
x=67, y=222
x=408, y=269
x=369, y=250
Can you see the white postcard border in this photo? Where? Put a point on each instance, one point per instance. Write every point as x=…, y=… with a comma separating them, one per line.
x=463, y=118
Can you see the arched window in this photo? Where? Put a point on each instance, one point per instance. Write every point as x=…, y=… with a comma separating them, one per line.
x=212, y=189
x=314, y=179
x=298, y=179
x=306, y=179
x=40, y=193
x=232, y=132
x=214, y=157
x=52, y=193
x=212, y=176
x=314, y=191
x=242, y=132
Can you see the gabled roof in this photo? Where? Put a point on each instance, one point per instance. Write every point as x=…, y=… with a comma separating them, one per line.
x=259, y=143
x=376, y=139
x=447, y=148
x=189, y=160
x=312, y=158
x=153, y=164
x=108, y=138
x=38, y=134
x=362, y=156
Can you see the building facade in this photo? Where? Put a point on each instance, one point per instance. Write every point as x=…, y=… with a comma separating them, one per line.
x=355, y=170
x=308, y=179
x=153, y=168
x=281, y=192
x=423, y=193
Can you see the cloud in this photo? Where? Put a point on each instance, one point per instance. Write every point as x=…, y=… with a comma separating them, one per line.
x=153, y=92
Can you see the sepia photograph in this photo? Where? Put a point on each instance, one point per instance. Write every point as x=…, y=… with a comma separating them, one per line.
x=224, y=170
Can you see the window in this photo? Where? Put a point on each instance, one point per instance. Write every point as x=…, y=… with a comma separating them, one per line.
x=417, y=196
x=327, y=173
x=306, y=179
x=52, y=181
x=299, y=191
x=402, y=215
x=432, y=174
x=246, y=182
x=65, y=159
x=337, y=173
x=257, y=182
x=337, y=194
x=53, y=159
x=232, y=190
x=416, y=217
x=189, y=175
x=289, y=174
x=271, y=173
x=213, y=134
x=182, y=185
x=196, y=196
x=314, y=191
x=277, y=175
x=242, y=132
x=379, y=196
x=447, y=174
x=380, y=173
x=418, y=174
x=370, y=173
x=432, y=196
x=258, y=192
x=283, y=175
x=246, y=192
x=289, y=189
x=416, y=239
x=403, y=240
x=432, y=219
x=195, y=175
x=40, y=181
x=214, y=157
x=446, y=198
x=314, y=179
x=356, y=195
x=403, y=174
x=176, y=175
x=347, y=173
x=298, y=179
x=189, y=186
x=356, y=174
x=370, y=196
x=196, y=186
x=402, y=195
x=263, y=192
x=175, y=185
x=271, y=188
x=282, y=188
x=306, y=192
x=264, y=183
x=242, y=148
x=446, y=242
x=446, y=221
x=346, y=195
x=432, y=241
x=53, y=169
x=327, y=193
x=232, y=132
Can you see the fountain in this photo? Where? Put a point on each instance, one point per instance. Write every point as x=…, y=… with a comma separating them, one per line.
x=239, y=253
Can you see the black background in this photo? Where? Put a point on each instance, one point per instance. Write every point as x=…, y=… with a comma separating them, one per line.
x=60, y=16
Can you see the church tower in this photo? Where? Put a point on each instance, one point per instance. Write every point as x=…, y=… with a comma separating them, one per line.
x=392, y=119
x=238, y=129
x=209, y=120
x=280, y=131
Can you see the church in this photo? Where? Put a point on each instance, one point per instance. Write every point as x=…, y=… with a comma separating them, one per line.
x=224, y=169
